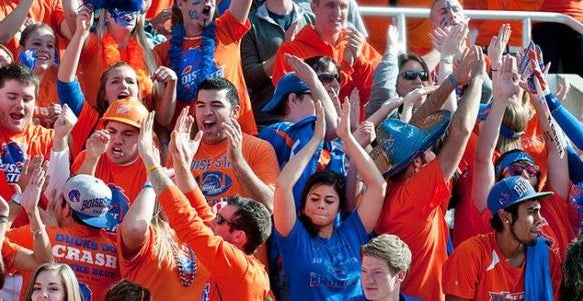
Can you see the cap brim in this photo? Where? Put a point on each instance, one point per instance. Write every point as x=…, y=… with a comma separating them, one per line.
x=105, y=221
x=122, y=120
x=539, y=196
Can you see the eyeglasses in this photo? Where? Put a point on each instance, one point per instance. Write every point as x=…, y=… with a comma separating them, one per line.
x=517, y=169
x=412, y=75
x=328, y=77
x=222, y=220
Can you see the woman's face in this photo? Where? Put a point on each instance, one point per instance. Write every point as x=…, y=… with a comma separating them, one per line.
x=48, y=286
x=330, y=78
x=121, y=82
x=322, y=205
x=42, y=42
x=410, y=79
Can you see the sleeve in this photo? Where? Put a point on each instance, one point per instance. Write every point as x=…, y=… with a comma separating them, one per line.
x=569, y=123
x=214, y=253
x=280, y=67
x=21, y=236
x=128, y=264
x=71, y=94
x=229, y=30
x=461, y=270
x=202, y=208
x=384, y=83
x=255, y=76
x=9, y=251
x=78, y=162
x=262, y=160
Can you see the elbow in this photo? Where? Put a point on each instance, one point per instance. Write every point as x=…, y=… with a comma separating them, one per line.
x=134, y=230
x=460, y=129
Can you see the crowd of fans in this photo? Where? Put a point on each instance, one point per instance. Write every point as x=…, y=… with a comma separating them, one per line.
x=265, y=150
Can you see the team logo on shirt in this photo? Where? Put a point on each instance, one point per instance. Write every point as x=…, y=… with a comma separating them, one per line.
x=206, y=292
x=506, y=296
x=85, y=291
x=11, y=161
x=214, y=183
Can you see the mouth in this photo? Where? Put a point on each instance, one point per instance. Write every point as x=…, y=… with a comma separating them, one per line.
x=42, y=57
x=206, y=11
x=17, y=116
x=117, y=152
x=208, y=124
x=123, y=94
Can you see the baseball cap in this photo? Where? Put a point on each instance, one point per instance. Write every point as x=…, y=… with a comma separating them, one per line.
x=289, y=83
x=510, y=191
x=94, y=202
x=129, y=110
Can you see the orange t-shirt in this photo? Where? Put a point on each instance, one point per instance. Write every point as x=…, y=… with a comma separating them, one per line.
x=130, y=177
x=47, y=96
x=477, y=270
x=88, y=251
x=9, y=250
x=212, y=170
x=234, y=275
x=557, y=213
x=144, y=270
x=414, y=211
x=489, y=28
x=468, y=221
x=92, y=64
x=156, y=7
x=49, y=12
x=15, y=149
x=229, y=33
x=572, y=8
x=87, y=123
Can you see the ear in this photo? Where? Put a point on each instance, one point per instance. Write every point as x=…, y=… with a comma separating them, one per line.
x=401, y=275
x=240, y=238
x=418, y=162
x=236, y=110
x=505, y=216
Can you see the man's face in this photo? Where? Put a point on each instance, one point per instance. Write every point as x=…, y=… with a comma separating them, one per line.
x=212, y=110
x=17, y=102
x=378, y=281
x=330, y=15
x=123, y=146
x=528, y=224
x=199, y=12
x=222, y=225
x=447, y=13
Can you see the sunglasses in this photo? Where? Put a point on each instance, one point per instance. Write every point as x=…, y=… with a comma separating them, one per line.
x=412, y=75
x=517, y=170
x=328, y=77
x=222, y=220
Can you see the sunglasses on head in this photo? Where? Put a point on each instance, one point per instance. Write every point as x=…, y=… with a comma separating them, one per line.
x=412, y=75
x=517, y=169
x=328, y=77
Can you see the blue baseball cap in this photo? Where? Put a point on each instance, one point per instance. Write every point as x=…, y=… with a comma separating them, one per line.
x=289, y=83
x=509, y=158
x=510, y=191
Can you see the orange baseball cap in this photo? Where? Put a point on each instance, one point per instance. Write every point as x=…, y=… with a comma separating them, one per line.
x=129, y=110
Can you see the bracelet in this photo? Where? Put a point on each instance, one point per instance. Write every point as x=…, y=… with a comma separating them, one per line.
x=147, y=185
x=453, y=81
x=16, y=198
x=152, y=168
x=3, y=219
x=38, y=231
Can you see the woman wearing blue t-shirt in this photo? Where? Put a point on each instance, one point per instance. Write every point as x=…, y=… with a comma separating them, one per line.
x=323, y=261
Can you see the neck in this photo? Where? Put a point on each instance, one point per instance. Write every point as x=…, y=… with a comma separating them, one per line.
x=122, y=38
x=40, y=73
x=511, y=248
x=326, y=231
x=280, y=7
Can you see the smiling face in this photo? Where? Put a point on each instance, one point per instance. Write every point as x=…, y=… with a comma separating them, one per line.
x=212, y=110
x=48, y=286
x=123, y=147
x=330, y=16
x=42, y=42
x=17, y=102
x=199, y=12
x=121, y=82
x=404, y=83
x=378, y=281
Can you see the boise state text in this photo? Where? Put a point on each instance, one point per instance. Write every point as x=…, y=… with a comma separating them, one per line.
x=11, y=161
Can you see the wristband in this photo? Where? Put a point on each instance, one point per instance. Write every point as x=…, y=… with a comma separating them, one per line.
x=453, y=81
x=148, y=185
x=38, y=231
x=16, y=198
x=152, y=168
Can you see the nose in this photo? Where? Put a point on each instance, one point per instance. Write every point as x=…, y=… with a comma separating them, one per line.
x=525, y=174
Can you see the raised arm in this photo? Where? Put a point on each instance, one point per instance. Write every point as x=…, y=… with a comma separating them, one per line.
x=308, y=75
x=11, y=24
x=505, y=88
x=96, y=146
x=165, y=90
x=284, y=211
x=240, y=9
x=463, y=119
x=372, y=198
x=136, y=223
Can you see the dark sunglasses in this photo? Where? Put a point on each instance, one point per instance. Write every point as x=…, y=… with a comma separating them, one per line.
x=222, y=220
x=412, y=75
x=327, y=77
x=517, y=169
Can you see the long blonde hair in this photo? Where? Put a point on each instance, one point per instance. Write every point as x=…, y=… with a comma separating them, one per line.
x=516, y=117
x=68, y=278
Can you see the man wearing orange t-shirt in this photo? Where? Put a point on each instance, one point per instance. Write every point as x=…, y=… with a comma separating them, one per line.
x=511, y=263
x=201, y=47
x=118, y=141
x=226, y=246
x=230, y=162
x=419, y=188
x=329, y=36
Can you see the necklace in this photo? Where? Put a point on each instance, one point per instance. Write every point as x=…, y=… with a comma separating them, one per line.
x=186, y=270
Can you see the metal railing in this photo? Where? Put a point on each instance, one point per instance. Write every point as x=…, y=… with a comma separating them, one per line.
x=401, y=14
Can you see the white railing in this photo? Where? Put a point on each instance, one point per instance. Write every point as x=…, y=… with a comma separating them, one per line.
x=401, y=14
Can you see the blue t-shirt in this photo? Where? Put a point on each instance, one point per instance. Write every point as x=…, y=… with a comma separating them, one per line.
x=324, y=269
